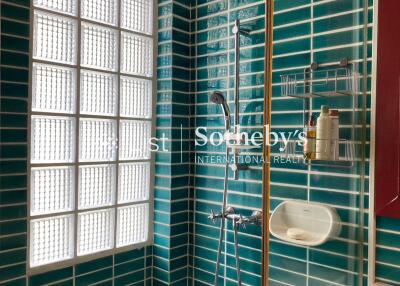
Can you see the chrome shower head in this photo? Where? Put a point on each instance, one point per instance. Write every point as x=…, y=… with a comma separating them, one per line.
x=218, y=98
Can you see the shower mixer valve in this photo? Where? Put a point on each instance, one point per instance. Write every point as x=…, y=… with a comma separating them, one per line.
x=255, y=218
x=228, y=212
x=237, y=219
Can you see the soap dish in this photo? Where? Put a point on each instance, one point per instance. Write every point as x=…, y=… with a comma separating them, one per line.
x=304, y=223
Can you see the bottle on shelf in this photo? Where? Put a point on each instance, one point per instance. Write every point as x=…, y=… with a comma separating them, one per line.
x=323, y=145
x=310, y=143
x=334, y=115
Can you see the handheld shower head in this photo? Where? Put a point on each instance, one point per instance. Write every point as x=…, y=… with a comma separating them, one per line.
x=218, y=98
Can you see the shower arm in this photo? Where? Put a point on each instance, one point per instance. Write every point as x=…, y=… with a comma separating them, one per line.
x=237, y=31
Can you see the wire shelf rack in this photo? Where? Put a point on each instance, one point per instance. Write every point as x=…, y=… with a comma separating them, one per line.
x=328, y=83
x=320, y=83
x=343, y=156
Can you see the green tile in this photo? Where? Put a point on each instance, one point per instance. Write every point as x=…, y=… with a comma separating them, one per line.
x=14, y=90
x=129, y=255
x=13, y=242
x=13, y=227
x=20, y=2
x=16, y=282
x=288, y=4
x=13, y=182
x=13, y=257
x=338, y=22
x=292, y=16
x=294, y=46
x=337, y=39
x=328, y=8
x=15, y=12
x=13, y=197
x=93, y=265
x=14, y=75
x=127, y=279
x=15, y=28
x=329, y=274
x=13, y=121
x=213, y=8
x=14, y=43
x=50, y=277
x=287, y=277
x=94, y=277
x=281, y=33
x=11, y=272
x=14, y=59
x=129, y=267
x=12, y=212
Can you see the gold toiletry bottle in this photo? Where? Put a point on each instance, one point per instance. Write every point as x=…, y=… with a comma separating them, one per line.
x=310, y=144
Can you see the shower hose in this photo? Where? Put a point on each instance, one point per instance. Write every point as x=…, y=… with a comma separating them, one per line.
x=222, y=228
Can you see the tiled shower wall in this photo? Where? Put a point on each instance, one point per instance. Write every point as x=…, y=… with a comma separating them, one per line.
x=324, y=32
x=193, y=61
x=214, y=61
x=172, y=196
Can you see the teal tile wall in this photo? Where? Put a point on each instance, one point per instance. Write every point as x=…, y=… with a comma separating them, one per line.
x=214, y=59
x=324, y=31
x=307, y=32
x=195, y=58
x=172, y=196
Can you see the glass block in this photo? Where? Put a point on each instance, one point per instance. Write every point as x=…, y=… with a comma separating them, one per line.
x=52, y=190
x=136, y=54
x=54, y=38
x=137, y=15
x=52, y=139
x=98, y=93
x=134, y=182
x=132, y=224
x=95, y=231
x=103, y=11
x=61, y=6
x=51, y=240
x=99, y=47
x=54, y=88
x=136, y=97
x=97, y=140
x=96, y=186
x=134, y=139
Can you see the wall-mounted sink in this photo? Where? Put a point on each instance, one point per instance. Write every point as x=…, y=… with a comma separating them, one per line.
x=304, y=223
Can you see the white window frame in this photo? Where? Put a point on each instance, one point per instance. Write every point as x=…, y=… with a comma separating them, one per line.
x=79, y=259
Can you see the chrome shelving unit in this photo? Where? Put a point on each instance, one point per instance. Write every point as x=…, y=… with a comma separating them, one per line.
x=324, y=82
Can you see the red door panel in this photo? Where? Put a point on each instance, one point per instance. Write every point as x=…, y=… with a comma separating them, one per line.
x=387, y=153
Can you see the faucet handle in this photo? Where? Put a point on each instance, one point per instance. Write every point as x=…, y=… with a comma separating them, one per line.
x=213, y=216
x=256, y=217
x=242, y=221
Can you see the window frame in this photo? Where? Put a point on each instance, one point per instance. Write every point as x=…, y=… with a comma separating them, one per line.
x=77, y=116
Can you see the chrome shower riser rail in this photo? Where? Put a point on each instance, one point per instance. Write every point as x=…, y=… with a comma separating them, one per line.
x=237, y=31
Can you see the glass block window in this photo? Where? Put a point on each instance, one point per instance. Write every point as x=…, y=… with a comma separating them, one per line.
x=90, y=126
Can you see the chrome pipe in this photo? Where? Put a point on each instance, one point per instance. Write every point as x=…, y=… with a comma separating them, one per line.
x=224, y=213
x=236, y=32
x=237, y=258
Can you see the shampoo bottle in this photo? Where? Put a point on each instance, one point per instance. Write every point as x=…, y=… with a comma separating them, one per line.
x=310, y=144
x=323, y=148
x=334, y=115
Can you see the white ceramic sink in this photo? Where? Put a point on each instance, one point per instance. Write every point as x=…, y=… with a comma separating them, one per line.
x=304, y=223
